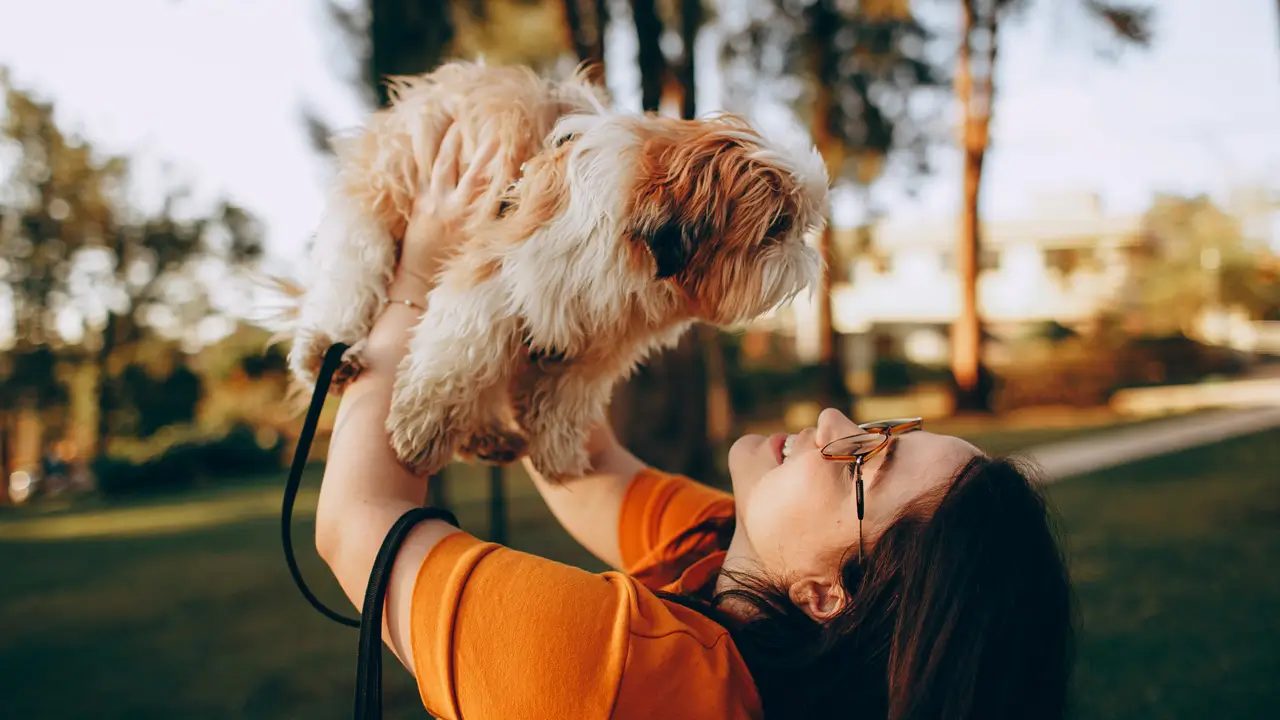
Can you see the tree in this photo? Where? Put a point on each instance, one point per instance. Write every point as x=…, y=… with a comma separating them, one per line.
x=862, y=64
x=980, y=26
x=29, y=382
x=91, y=278
x=588, y=38
x=154, y=273
x=1196, y=258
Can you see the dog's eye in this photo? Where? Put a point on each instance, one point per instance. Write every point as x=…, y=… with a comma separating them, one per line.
x=505, y=208
x=778, y=229
x=565, y=138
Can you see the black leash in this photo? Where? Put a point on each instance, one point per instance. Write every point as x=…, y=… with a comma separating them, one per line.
x=368, y=701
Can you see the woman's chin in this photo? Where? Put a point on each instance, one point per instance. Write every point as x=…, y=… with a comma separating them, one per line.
x=744, y=463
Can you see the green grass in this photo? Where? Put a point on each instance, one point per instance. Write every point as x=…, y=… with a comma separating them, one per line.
x=127, y=622
x=1175, y=568
x=160, y=610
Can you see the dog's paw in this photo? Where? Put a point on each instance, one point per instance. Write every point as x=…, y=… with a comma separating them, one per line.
x=495, y=444
x=351, y=367
x=422, y=443
x=560, y=458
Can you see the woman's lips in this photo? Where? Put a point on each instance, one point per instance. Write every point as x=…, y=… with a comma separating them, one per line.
x=776, y=442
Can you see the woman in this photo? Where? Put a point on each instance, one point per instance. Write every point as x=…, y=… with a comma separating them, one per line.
x=863, y=571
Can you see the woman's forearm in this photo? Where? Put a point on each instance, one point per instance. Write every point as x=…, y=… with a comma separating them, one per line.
x=361, y=468
x=590, y=507
x=366, y=489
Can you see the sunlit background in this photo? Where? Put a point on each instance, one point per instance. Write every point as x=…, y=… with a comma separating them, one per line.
x=1055, y=231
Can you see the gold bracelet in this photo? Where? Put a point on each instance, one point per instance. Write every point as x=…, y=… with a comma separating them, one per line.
x=410, y=303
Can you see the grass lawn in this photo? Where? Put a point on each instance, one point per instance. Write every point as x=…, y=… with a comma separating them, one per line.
x=182, y=607
x=1175, y=567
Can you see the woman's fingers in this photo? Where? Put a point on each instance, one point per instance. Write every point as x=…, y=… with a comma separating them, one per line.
x=480, y=171
x=426, y=149
x=444, y=171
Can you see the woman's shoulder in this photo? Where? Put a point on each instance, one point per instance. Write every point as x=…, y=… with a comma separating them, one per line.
x=681, y=663
x=500, y=633
x=662, y=514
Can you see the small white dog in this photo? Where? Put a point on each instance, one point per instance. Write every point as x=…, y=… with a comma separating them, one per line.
x=618, y=232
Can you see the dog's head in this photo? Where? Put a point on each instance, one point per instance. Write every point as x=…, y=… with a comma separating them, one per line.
x=723, y=215
x=710, y=218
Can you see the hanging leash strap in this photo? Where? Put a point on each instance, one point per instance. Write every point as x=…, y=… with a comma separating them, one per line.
x=369, y=659
x=368, y=695
x=332, y=359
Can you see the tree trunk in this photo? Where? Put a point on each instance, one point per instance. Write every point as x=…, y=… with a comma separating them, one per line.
x=102, y=360
x=406, y=37
x=691, y=16
x=6, y=457
x=653, y=66
x=660, y=414
x=823, y=22
x=588, y=38
x=975, y=86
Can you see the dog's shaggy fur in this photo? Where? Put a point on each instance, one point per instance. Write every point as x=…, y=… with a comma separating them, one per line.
x=619, y=232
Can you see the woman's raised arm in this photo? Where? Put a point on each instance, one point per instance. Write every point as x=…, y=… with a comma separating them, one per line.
x=589, y=507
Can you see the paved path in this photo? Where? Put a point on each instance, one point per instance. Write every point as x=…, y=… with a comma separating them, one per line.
x=1106, y=449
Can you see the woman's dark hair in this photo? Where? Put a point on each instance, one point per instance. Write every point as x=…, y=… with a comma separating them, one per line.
x=961, y=609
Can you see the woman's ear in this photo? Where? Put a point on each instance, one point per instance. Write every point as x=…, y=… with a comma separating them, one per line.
x=820, y=598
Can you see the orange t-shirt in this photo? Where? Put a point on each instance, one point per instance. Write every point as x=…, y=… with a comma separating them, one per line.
x=502, y=635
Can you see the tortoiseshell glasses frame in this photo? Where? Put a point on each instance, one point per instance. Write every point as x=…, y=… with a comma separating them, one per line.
x=860, y=447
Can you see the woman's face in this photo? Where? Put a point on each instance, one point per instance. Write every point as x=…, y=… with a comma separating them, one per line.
x=797, y=515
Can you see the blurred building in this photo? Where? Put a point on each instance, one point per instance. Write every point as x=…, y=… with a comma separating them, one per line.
x=900, y=293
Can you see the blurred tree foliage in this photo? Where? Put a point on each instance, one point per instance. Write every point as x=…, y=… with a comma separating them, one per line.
x=853, y=72
x=142, y=400
x=981, y=26
x=1196, y=257
x=408, y=37
x=92, y=280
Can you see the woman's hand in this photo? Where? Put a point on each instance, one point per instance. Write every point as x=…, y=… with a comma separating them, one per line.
x=449, y=198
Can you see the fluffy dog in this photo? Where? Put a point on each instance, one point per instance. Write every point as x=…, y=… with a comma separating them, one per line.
x=618, y=232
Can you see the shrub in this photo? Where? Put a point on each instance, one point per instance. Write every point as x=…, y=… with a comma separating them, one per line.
x=186, y=463
x=1081, y=372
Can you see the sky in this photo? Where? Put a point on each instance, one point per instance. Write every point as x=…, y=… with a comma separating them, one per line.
x=212, y=91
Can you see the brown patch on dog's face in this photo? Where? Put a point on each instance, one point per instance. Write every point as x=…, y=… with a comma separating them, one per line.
x=709, y=215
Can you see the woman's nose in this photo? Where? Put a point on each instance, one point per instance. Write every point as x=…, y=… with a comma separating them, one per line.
x=833, y=425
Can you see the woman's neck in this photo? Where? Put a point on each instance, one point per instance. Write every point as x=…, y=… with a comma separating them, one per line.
x=740, y=560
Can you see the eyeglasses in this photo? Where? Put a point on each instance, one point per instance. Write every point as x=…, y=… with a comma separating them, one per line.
x=858, y=448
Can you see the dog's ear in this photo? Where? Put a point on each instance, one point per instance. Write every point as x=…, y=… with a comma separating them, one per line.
x=671, y=243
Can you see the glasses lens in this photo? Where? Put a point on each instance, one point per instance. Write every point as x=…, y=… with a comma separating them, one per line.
x=855, y=445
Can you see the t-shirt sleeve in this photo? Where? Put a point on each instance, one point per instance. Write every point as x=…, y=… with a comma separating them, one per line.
x=497, y=633
x=657, y=510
